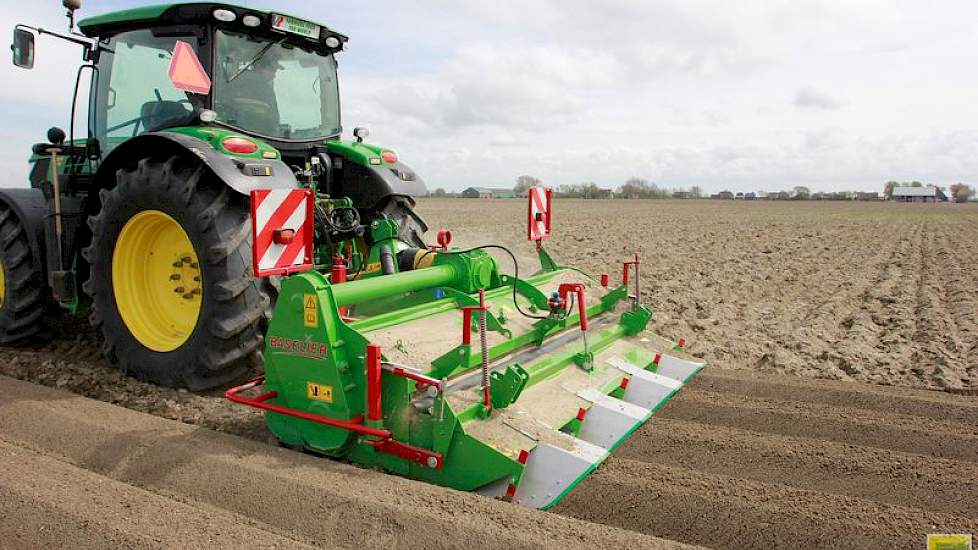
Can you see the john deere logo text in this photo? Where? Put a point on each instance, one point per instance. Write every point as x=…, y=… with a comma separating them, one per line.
x=302, y=348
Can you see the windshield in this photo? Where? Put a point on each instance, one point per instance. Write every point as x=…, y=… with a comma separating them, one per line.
x=275, y=89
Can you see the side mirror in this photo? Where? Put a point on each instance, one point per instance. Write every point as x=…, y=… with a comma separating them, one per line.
x=23, y=48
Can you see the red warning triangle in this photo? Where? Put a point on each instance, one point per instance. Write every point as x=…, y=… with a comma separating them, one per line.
x=186, y=72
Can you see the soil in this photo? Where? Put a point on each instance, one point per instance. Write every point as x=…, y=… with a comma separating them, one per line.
x=750, y=460
x=871, y=306
x=75, y=472
x=864, y=291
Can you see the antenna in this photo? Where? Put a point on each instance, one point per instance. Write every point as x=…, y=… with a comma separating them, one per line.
x=71, y=5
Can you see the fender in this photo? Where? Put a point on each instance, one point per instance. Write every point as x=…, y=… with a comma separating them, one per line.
x=30, y=207
x=368, y=179
x=230, y=169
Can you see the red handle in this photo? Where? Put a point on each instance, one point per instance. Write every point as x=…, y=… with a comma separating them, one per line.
x=565, y=289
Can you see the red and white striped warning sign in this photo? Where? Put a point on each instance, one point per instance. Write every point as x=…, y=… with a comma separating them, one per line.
x=538, y=219
x=282, y=231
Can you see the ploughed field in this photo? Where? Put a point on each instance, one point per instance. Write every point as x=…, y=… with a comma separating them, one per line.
x=870, y=292
x=875, y=306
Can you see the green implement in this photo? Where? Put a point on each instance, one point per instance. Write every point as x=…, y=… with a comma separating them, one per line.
x=468, y=378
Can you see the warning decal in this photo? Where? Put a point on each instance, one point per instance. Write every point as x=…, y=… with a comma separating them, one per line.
x=538, y=214
x=310, y=310
x=319, y=392
x=282, y=231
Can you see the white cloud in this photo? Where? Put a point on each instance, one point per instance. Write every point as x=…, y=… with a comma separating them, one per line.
x=741, y=94
x=814, y=100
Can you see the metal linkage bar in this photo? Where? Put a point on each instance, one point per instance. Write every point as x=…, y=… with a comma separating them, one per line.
x=259, y=402
x=384, y=444
x=412, y=374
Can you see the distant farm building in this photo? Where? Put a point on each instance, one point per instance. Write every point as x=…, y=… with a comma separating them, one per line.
x=723, y=195
x=864, y=196
x=488, y=193
x=918, y=194
x=750, y=196
x=682, y=195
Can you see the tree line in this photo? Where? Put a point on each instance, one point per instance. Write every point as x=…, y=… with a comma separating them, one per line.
x=638, y=188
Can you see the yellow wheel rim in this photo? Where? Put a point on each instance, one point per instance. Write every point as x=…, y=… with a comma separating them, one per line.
x=3, y=285
x=156, y=280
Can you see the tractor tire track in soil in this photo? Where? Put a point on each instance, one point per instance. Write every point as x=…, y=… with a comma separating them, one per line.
x=749, y=460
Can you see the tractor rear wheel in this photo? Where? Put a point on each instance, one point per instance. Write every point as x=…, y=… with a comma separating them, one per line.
x=22, y=290
x=171, y=284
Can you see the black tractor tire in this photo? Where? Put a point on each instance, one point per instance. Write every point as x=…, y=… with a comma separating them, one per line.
x=224, y=344
x=410, y=227
x=24, y=301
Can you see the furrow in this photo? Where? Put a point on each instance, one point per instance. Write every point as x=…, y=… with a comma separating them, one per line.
x=729, y=513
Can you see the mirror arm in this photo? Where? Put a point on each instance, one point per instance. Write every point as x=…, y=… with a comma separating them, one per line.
x=89, y=45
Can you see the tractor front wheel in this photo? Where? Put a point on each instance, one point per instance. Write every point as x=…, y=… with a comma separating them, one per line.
x=171, y=283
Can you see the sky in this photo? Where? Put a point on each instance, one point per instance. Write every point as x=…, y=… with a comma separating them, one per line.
x=737, y=94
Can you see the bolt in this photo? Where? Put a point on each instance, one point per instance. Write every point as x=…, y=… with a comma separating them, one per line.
x=194, y=266
x=195, y=291
x=179, y=290
x=432, y=462
x=186, y=259
x=175, y=277
x=177, y=264
x=196, y=278
x=188, y=295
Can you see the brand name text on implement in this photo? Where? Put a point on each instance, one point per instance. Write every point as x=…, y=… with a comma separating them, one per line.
x=310, y=349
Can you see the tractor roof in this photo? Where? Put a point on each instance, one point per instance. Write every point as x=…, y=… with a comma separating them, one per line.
x=173, y=14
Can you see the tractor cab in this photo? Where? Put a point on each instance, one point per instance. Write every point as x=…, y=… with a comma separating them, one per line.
x=141, y=214
x=266, y=75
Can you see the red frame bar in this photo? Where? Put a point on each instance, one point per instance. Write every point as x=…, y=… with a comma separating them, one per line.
x=467, y=320
x=374, y=408
x=419, y=378
x=337, y=275
x=386, y=443
x=259, y=402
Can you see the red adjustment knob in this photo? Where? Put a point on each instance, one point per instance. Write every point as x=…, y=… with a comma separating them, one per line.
x=605, y=280
x=444, y=238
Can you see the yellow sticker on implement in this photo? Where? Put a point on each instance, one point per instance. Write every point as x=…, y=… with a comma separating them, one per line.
x=319, y=392
x=310, y=310
x=948, y=542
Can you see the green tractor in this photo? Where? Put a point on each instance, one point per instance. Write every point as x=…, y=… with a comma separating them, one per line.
x=212, y=182
x=144, y=222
